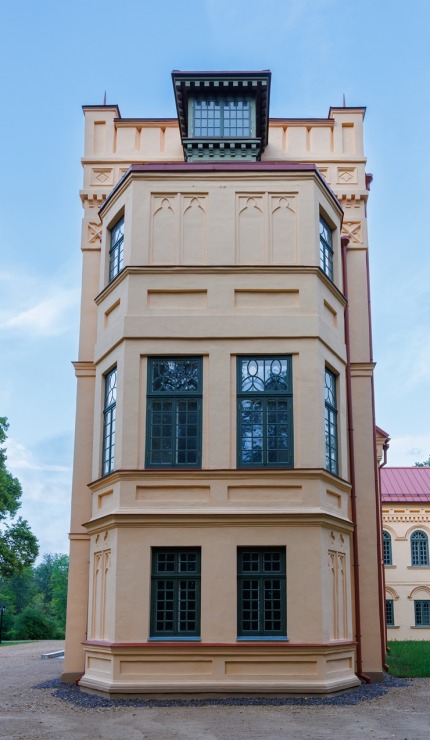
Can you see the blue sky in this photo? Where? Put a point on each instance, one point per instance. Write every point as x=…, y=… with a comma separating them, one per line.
x=56, y=57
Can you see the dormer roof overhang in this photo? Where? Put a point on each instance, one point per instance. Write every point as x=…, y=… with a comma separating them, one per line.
x=191, y=84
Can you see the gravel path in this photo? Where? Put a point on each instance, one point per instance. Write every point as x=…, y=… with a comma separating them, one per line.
x=33, y=704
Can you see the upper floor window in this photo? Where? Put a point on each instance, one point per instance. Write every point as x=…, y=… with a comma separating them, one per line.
x=175, y=592
x=331, y=453
x=174, y=412
x=388, y=560
x=116, y=255
x=265, y=412
x=419, y=548
x=422, y=613
x=222, y=116
x=326, y=248
x=389, y=612
x=109, y=413
x=261, y=592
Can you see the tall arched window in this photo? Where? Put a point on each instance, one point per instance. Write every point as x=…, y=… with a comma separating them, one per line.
x=388, y=559
x=419, y=548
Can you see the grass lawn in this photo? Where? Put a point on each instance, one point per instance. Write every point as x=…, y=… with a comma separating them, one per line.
x=409, y=658
x=5, y=643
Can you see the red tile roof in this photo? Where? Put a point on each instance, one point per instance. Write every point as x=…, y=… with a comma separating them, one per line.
x=405, y=484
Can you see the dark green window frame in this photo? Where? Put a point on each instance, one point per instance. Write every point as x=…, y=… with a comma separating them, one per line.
x=419, y=549
x=326, y=248
x=116, y=251
x=389, y=612
x=261, y=593
x=109, y=420
x=422, y=612
x=331, y=437
x=175, y=592
x=222, y=116
x=388, y=558
x=264, y=412
x=174, y=412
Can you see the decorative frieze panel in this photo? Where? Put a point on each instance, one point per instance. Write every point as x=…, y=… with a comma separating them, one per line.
x=94, y=233
x=347, y=175
x=353, y=230
x=266, y=228
x=325, y=172
x=102, y=176
x=178, y=229
x=101, y=578
x=406, y=515
x=339, y=601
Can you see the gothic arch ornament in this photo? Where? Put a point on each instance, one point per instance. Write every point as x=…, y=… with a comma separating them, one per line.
x=417, y=589
x=391, y=593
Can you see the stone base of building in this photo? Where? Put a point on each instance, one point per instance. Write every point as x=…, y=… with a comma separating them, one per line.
x=218, y=669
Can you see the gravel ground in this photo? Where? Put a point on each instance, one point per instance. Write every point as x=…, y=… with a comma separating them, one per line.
x=34, y=704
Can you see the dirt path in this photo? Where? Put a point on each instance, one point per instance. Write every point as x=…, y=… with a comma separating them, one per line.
x=27, y=713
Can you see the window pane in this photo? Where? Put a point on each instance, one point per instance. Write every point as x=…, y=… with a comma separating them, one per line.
x=174, y=412
x=175, y=609
x=261, y=606
x=326, y=249
x=116, y=249
x=264, y=411
x=109, y=414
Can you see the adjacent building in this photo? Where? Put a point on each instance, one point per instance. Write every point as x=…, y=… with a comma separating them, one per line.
x=225, y=510
x=405, y=496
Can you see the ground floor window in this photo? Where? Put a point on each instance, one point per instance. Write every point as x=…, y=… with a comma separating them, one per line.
x=389, y=612
x=422, y=613
x=175, y=592
x=261, y=592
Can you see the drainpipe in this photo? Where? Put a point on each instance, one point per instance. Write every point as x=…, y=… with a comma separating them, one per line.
x=360, y=674
x=385, y=447
x=379, y=523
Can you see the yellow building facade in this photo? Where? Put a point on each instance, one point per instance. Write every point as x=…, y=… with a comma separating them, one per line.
x=225, y=515
x=405, y=494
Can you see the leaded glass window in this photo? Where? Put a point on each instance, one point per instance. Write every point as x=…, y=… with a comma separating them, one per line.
x=419, y=548
x=116, y=252
x=261, y=592
x=422, y=613
x=109, y=413
x=389, y=612
x=222, y=117
x=326, y=248
x=175, y=597
x=265, y=413
x=387, y=549
x=174, y=417
x=331, y=451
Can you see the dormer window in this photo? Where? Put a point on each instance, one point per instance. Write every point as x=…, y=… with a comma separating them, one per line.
x=222, y=115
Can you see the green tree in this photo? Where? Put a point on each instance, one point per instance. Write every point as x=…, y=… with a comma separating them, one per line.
x=18, y=545
x=33, y=624
x=425, y=464
x=50, y=578
x=58, y=583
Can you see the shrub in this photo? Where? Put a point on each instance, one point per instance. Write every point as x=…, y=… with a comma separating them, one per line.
x=33, y=624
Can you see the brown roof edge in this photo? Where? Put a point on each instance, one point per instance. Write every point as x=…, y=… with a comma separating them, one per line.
x=223, y=167
x=381, y=432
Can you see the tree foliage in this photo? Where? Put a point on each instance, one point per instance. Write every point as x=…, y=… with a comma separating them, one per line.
x=36, y=600
x=18, y=545
x=425, y=464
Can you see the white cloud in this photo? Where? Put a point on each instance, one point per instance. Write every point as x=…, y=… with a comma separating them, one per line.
x=20, y=458
x=45, y=499
x=407, y=450
x=50, y=316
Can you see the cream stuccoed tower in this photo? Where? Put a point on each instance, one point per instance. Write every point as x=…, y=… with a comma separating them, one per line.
x=225, y=511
